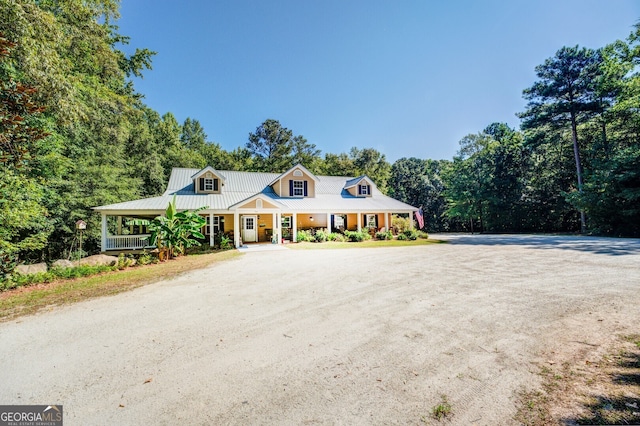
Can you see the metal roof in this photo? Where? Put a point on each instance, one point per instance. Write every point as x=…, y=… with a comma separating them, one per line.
x=238, y=186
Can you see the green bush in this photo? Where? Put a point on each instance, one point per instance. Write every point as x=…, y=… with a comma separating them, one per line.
x=302, y=236
x=146, y=258
x=423, y=235
x=355, y=236
x=386, y=235
x=410, y=234
x=402, y=237
x=321, y=236
x=336, y=236
x=400, y=224
x=225, y=243
x=19, y=280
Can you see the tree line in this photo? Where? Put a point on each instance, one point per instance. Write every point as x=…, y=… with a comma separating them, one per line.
x=75, y=134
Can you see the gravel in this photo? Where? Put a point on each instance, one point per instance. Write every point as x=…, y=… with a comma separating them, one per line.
x=355, y=336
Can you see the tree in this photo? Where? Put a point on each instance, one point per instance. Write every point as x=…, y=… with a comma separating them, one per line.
x=418, y=182
x=564, y=96
x=24, y=226
x=270, y=147
x=371, y=162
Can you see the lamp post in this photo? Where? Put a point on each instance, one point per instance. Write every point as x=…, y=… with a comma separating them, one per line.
x=81, y=225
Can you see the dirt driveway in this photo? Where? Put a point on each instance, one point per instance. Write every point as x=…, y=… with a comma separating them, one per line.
x=356, y=336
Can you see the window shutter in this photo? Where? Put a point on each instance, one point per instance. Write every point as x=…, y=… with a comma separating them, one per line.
x=368, y=189
x=359, y=190
x=220, y=225
x=215, y=184
x=291, y=188
x=306, y=192
x=377, y=222
x=201, y=184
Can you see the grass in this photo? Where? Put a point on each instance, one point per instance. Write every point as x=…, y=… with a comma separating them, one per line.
x=605, y=391
x=31, y=299
x=363, y=244
x=441, y=410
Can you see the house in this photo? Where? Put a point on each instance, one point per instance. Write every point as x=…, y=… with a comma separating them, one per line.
x=256, y=207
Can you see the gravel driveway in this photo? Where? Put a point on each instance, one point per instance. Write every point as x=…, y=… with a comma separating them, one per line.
x=356, y=336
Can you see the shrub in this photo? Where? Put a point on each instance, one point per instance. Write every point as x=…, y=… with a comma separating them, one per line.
x=225, y=243
x=19, y=280
x=400, y=224
x=355, y=236
x=402, y=237
x=336, y=236
x=386, y=235
x=410, y=234
x=302, y=236
x=321, y=236
x=146, y=258
x=423, y=235
x=123, y=261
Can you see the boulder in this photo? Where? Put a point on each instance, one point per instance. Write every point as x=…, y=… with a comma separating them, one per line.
x=62, y=263
x=98, y=259
x=31, y=269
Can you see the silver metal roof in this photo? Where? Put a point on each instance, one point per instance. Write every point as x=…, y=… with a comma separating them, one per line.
x=238, y=186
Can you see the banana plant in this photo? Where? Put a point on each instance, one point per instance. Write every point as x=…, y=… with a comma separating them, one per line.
x=175, y=231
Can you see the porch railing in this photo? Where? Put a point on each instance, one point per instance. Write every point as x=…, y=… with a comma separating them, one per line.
x=128, y=242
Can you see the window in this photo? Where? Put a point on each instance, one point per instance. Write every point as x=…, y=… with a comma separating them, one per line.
x=258, y=204
x=210, y=184
x=297, y=173
x=371, y=221
x=363, y=189
x=286, y=222
x=217, y=225
x=298, y=188
x=338, y=221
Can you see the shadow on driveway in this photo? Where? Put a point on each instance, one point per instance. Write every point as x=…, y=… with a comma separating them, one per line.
x=596, y=245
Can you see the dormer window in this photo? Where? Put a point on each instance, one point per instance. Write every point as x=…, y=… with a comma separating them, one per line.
x=298, y=188
x=209, y=184
x=364, y=189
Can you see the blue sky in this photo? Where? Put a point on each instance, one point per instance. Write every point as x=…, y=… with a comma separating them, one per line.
x=408, y=78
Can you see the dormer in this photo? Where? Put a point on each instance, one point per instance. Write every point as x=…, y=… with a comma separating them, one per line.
x=297, y=182
x=208, y=181
x=361, y=186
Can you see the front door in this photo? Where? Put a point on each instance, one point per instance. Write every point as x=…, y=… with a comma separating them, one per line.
x=249, y=233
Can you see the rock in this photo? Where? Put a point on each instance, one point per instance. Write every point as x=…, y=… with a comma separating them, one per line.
x=62, y=263
x=98, y=259
x=31, y=269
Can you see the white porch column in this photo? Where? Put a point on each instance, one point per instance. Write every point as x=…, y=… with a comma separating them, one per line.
x=211, y=235
x=236, y=229
x=329, y=223
x=411, y=220
x=359, y=216
x=386, y=221
x=294, y=219
x=278, y=218
x=103, y=242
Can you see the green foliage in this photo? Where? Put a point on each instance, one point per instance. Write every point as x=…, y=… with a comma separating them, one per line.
x=320, y=236
x=400, y=224
x=410, y=234
x=423, y=235
x=402, y=237
x=384, y=235
x=355, y=236
x=442, y=409
x=19, y=280
x=226, y=243
x=177, y=231
x=146, y=258
x=124, y=261
x=336, y=236
x=304, y=236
